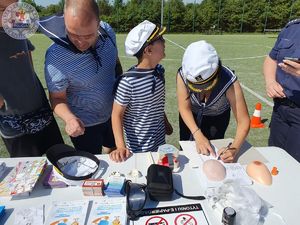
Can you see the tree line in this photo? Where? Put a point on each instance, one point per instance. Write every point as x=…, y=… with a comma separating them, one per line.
x=209, y=16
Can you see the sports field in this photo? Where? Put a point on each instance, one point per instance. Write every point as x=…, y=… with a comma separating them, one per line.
x=242, y=53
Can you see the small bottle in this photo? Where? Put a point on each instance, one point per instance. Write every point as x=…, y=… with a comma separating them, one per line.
x=228, y=216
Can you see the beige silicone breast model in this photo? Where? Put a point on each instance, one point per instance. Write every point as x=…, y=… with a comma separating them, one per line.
x=214, y=170
x=259, y=172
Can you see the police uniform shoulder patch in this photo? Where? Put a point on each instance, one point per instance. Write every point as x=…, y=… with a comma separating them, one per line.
x=295, y=21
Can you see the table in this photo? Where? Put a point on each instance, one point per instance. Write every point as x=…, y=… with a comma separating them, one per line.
x=284, y=204
x=283, y=193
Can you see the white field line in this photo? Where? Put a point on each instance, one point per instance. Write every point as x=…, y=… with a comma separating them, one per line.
x=230, y=59
x=243, y=86
x=269, y=103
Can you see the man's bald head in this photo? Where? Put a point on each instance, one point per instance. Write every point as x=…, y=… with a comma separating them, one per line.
x=85, y=9
x=82, y=23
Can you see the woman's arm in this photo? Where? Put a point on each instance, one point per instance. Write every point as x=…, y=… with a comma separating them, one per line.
x=239, y=108
x=184, y=107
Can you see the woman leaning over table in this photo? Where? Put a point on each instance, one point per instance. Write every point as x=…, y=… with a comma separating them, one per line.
x=206, y=92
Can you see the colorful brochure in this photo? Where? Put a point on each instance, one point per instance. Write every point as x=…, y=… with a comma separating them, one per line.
x=109, y=211
x=67, y=213
x=22, y=178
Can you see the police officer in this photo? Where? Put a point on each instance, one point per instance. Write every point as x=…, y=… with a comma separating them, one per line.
x=284, y=88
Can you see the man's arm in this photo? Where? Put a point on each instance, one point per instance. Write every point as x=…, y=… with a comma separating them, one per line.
x=273, y=88
x=73, y=125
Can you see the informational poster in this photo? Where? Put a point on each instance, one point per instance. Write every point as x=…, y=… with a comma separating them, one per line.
x=191, y=214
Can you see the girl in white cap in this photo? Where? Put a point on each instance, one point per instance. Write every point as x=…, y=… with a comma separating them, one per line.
x=206, y=92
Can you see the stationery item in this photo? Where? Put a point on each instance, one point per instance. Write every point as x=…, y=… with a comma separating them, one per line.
x=2, y=211
x=51, y=181
x=2, y=169
x=108, y=211
x=30, y=216
x=22, y=179
x=115, y=185
x=93, y=187
x=226, y=149
x=67, y=212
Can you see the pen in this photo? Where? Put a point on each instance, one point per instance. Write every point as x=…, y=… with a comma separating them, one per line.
x=227, y=147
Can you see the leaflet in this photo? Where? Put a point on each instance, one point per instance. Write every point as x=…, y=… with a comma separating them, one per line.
x=68, y=212
x=108, y=211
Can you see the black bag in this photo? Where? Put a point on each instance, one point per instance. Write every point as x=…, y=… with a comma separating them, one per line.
x=159, y=183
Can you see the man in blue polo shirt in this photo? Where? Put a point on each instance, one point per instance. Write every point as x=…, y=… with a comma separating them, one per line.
x=80, y=72
x=284, y=87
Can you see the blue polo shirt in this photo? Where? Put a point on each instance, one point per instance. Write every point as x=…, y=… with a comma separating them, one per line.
x=87, y=77
x=288, y=44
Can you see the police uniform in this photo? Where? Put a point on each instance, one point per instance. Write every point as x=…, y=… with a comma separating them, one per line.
x=285, y=122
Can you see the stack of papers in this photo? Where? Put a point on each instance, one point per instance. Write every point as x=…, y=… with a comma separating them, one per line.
x=22, y=179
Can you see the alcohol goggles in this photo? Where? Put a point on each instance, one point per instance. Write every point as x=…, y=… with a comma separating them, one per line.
x=136, y=198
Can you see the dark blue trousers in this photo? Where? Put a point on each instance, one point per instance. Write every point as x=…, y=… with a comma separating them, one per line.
x=285, y=129
x=94, y=138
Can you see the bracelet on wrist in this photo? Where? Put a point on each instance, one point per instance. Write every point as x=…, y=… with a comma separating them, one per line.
x=196, y=131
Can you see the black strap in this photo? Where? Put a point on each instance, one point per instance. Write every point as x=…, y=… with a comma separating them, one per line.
x=190, y=197
x=101, y=29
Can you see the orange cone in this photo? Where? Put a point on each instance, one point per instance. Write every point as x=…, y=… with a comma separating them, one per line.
x=256, y=119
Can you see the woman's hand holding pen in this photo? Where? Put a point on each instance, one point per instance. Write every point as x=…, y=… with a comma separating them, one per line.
x=227, y=154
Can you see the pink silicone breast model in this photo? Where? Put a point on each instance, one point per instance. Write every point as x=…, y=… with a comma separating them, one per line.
x=259, y=172
x=214, y=170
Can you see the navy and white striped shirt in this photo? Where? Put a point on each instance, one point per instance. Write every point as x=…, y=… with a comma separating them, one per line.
x=142, y=91
x=89, y=82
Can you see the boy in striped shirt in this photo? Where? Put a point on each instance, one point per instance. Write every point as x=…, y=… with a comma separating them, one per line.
x=140, y=95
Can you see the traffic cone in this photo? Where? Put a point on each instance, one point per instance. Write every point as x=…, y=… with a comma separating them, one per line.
x=256, y=119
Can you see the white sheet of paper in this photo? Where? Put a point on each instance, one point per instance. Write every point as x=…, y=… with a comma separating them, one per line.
x=234, y=171
x=30, y=216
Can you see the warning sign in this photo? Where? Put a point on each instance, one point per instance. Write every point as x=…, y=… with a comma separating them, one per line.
x=156, y=220
x=185, y=219
x=188, y=214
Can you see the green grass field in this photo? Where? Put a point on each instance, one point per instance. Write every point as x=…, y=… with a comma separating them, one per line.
x=242, y=53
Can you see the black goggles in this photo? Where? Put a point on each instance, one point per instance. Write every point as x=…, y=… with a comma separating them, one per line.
x=136, y=197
